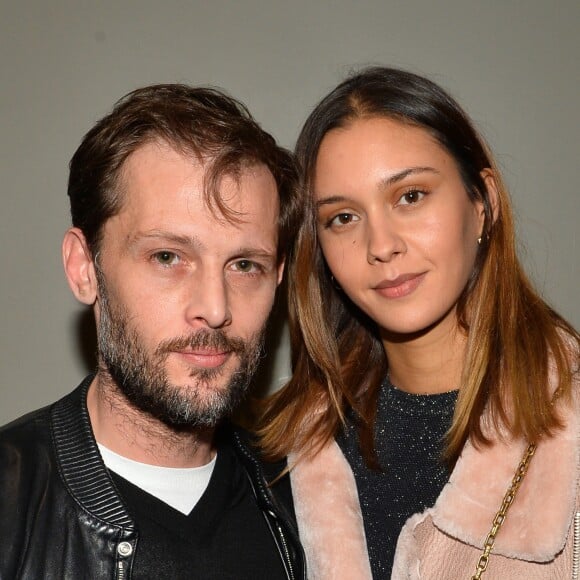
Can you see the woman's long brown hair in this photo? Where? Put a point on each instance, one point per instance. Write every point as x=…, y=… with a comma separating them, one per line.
x=519, y=351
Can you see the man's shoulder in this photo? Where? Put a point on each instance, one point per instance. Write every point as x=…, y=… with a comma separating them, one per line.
x=26, y=453
x=31, y=432
x=26, y=429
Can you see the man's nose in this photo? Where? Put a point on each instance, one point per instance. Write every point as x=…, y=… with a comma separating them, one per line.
x=208, y=300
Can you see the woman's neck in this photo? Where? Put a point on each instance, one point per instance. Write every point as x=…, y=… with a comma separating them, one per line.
x=426, y=363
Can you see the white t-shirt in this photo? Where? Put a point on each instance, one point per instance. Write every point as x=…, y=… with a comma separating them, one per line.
x=181, y=488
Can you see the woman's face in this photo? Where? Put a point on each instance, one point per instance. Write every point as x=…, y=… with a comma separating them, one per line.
x=395, y=224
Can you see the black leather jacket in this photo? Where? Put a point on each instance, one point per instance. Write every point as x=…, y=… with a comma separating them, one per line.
x=61, y=516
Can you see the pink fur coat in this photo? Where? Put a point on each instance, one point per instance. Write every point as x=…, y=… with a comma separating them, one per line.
x=537, y=540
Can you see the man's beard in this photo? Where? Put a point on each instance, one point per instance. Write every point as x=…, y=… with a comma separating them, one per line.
x=142, y=378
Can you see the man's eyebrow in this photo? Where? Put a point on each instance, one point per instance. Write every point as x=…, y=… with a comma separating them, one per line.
x=384, y=183
x=192, y=241
x=257, y=253
x=162, y=235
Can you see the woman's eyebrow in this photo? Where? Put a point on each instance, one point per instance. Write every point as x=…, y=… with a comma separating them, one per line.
x=400, y=175
x=383, y=184
x=330, y=200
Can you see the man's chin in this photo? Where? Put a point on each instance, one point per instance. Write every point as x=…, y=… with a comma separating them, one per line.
x=199, y=400
x=201, y=385
x=179, y=409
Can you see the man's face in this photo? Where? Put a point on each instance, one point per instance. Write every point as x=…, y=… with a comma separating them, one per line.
x=183, y=294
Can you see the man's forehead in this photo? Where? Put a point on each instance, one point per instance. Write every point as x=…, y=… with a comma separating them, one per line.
x=163, y=189
x=222, y=185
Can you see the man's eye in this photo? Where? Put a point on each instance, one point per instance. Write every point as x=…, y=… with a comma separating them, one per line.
x=166, y=258
x=245, y=266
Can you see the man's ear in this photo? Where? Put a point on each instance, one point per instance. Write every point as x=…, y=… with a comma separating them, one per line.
x=280, y=272
x=79, y=267
x=492, y=192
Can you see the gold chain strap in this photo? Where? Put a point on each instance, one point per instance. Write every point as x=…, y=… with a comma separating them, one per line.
x=501, y=514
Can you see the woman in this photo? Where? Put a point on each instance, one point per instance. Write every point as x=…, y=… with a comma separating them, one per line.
x=420, y=347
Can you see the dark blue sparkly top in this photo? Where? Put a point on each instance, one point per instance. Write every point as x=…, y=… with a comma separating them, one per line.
x=409, y=442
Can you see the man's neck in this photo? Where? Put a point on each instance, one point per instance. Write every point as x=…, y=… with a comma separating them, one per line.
x=136, y=435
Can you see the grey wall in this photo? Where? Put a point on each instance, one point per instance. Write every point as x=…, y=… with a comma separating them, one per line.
x=514, y=66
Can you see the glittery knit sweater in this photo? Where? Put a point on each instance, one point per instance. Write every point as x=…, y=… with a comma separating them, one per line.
x=409, y=443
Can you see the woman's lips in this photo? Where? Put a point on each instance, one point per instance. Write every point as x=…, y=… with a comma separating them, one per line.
x=401, y=286
x=204, y=358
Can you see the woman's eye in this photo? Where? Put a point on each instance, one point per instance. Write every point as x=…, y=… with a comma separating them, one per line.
x=411, y=197
x=166, y=258
x=342, y=219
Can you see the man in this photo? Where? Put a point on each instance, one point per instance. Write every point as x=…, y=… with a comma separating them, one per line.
x=182, y=209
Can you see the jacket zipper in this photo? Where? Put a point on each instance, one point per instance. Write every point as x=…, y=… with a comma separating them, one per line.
x=120, y=571
x=284, y=546
x=576, y=548
x=288, y=559
x=280, y=541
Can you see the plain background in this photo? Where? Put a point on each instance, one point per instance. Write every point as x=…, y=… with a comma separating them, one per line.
x=513, y=65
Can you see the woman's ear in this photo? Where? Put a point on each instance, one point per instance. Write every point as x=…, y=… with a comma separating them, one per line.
x=79, y=267
x=488, y=177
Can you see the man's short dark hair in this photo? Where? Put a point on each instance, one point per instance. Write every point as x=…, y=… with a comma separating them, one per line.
x=203, y=122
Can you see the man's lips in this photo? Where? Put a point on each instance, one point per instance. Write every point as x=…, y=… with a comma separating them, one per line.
x=206, y=358
x=400, y=286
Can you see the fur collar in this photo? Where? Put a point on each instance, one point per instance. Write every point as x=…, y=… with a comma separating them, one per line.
x=328, y=513
x=537, y=523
